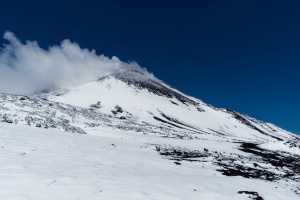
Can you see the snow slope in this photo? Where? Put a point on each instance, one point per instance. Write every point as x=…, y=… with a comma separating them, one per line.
x=47, y=164
x=131, y=136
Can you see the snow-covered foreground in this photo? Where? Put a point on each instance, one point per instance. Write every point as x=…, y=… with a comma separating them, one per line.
x=104, y=164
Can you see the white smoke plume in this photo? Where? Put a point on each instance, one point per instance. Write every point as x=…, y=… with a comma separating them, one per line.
x=27, y=68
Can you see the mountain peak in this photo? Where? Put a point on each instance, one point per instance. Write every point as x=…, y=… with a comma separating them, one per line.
x=135, y=75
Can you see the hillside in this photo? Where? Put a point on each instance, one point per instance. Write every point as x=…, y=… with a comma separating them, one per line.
x=132, y=136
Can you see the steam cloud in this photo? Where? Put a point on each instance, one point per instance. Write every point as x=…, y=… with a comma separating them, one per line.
x=27, y=68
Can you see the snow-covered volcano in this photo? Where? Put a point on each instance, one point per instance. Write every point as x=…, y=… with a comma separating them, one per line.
x=150, y=100
x=140, y=139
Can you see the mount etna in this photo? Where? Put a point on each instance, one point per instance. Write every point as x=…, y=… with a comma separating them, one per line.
x=129, y=135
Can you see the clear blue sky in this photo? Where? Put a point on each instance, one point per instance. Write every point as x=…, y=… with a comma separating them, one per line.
x=242, y=55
